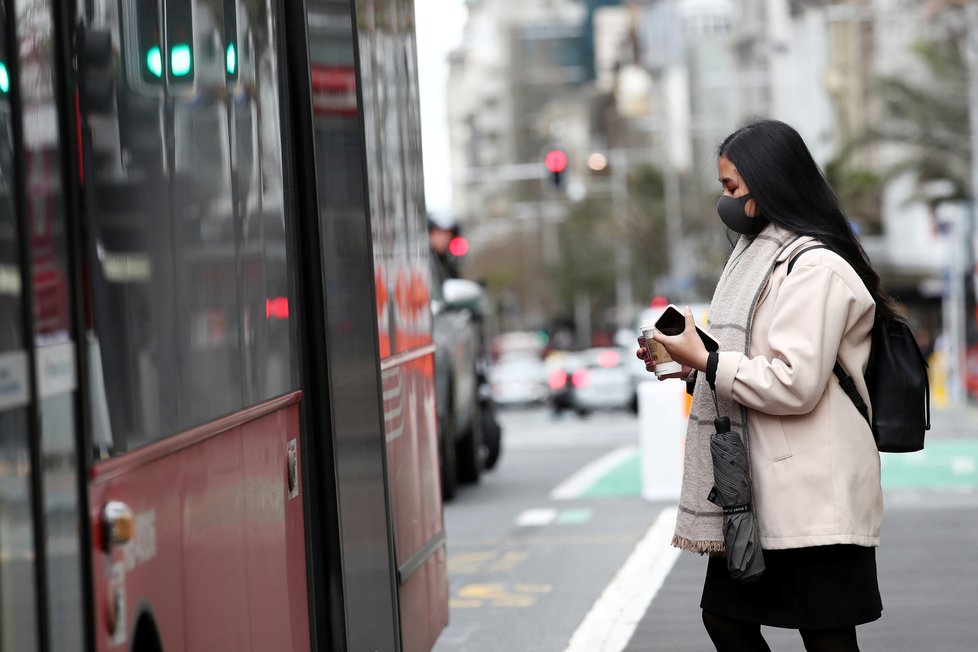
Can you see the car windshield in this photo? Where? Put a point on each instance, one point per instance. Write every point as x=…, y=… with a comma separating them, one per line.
x=517, y=368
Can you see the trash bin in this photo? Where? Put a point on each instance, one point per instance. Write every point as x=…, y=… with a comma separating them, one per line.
x=662, y=415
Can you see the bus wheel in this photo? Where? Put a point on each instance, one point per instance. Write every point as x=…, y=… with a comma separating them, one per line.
x=446, y=453
x=146, y=638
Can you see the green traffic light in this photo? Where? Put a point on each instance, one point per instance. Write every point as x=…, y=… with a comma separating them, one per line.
x=181, y=60
x=231, y=59
x=154, y=61
x=4, y=78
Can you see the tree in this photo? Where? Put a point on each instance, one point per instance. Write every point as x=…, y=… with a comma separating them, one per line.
x=592, y=237
x=927, y=115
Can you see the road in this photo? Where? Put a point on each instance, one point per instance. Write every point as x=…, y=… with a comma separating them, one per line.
x=525, y=567
x=533, y=547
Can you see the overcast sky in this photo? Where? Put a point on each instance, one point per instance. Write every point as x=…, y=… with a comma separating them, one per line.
x=439, y=25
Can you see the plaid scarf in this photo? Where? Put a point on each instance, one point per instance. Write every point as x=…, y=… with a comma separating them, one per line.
x=698, y=524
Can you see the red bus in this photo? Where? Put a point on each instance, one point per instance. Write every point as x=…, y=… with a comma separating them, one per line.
x=217, y=403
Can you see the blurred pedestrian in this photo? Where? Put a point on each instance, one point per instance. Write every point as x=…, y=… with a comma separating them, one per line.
x=441, y=232
x=815, y=469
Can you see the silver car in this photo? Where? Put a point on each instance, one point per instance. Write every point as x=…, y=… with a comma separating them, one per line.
x=518, y=380
x=602, y=379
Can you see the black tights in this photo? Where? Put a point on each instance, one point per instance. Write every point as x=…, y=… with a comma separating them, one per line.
x=729, y=635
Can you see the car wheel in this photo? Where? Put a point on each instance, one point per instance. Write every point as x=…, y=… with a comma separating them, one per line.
x=470, y=460
x=492, y=434
x=446, y=453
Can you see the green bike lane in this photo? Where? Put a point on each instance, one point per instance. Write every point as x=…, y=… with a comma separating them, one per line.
x=942, y=465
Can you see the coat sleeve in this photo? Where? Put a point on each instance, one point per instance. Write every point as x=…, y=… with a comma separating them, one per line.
x=811, y=314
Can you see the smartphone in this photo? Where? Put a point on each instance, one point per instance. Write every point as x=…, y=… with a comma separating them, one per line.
x=673, y=322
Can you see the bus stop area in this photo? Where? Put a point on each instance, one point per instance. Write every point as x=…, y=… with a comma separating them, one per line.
x=927, y=562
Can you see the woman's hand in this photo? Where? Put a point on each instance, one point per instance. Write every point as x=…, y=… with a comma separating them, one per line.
x=686, y=348
x=643, y=355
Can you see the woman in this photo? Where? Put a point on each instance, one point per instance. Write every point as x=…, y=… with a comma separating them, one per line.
x=815, y=469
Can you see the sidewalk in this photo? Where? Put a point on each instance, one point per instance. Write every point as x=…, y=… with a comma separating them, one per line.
x=928, y=563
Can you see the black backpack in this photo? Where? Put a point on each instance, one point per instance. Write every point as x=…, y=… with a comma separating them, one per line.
x=896, y=377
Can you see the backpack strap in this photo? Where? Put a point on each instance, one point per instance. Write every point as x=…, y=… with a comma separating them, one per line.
x=845, y=380
x=791, y=263
x=849, y=387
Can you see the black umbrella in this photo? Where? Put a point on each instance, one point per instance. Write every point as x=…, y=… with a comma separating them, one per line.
x=732, y=492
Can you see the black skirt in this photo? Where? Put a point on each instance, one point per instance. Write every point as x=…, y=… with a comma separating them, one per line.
x=823, y=587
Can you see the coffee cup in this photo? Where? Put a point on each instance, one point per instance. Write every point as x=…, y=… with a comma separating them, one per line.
x=664, y=364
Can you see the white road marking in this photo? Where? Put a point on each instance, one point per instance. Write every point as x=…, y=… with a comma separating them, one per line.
x=577, y=484
x=610, y=623
x=962, y=465
x=532, y=517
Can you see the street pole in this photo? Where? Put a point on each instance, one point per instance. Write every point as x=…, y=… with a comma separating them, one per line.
x=678, y=265
x=623, y=254
x=674, y=244
x=971, y=15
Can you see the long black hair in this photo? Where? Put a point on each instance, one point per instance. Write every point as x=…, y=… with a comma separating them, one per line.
x=790, y=191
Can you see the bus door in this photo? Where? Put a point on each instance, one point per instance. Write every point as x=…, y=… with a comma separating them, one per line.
x=42, y=533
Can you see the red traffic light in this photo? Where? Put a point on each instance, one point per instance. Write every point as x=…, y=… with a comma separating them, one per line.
x=555, y=160
x=458, y=246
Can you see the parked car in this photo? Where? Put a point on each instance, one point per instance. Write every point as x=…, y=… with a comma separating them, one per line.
x=518, y=380
x=470, y=438
x=602, y=380
x=560, y=367
x=599, y=378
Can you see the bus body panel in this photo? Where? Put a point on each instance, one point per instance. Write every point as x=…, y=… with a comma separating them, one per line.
x=217, y=558
x=391, y=118
x=187, y=286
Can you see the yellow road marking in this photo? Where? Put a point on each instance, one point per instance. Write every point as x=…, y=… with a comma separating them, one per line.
x=496, y=595
x=472, y=563
x=509, y=561
x=468, y=563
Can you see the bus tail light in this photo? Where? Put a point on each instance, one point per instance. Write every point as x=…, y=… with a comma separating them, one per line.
x=117, y=524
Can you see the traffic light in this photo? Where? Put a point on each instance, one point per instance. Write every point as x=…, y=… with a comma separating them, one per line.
x=458, y=246
x=231, y=39
x=556, y=162
x=149, y=42
x=96, y=70
x=4, y=72
x=180, y=40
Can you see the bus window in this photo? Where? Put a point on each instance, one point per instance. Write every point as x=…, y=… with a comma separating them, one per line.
x=268, y=367
x=54, y=360
x=189, y=272
x=18, y=619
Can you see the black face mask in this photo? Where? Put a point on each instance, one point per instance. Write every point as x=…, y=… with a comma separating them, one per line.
x=733, y=212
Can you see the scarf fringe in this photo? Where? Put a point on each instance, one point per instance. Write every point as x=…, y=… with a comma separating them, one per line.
x=711, y=548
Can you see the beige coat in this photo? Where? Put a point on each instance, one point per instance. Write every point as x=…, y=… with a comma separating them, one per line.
x=814, y=463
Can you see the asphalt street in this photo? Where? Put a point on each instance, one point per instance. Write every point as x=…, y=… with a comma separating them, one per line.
x=537, y=547
x=524, y=568
x=927, y=560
